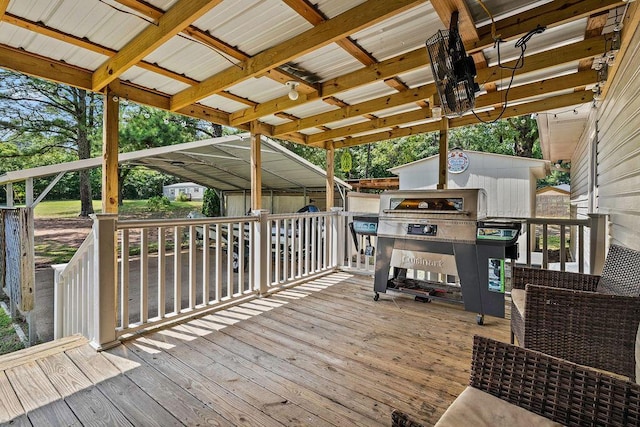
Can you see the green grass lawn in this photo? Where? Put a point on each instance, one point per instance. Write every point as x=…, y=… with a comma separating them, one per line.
x=9, y=341
x=71, y=208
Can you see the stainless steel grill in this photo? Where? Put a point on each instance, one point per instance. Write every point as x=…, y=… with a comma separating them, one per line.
x=440, y=246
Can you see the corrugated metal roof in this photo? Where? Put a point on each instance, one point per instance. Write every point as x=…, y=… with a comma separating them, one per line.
x=233, y=45
x=221, y=163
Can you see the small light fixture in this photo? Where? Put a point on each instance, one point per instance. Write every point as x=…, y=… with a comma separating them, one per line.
x=293, y=93
x=558, y=164
x=436, y=112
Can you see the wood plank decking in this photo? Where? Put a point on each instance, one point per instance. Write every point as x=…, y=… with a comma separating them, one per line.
x=323, y=353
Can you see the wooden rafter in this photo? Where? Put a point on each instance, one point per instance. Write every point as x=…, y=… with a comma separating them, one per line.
x=3, y=6
x=40, y=28
x=466, y=26
x=171, y=23
x=56, y=71
x=381, y=71
x=517, y=110
x=341, y=26
x=573, y=52
x=207, y=39
x=550, y=14
x=404, y=63
x=551, y=85
x=311, y=13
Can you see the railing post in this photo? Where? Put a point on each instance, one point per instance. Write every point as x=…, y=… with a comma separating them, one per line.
x=261, y=251
x=597, y=242
x=105, y=281
x=338, y=238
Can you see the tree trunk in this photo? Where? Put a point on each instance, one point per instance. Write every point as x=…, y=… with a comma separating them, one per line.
x=526, y=135
x=84, y=152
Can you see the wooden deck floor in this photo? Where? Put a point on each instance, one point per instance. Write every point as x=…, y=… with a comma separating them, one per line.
x=321, y=354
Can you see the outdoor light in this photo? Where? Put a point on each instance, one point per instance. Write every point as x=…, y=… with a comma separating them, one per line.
x=436, y=112
x=293, y=93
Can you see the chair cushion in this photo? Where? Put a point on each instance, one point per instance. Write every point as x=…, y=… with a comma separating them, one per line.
x=518, y=297
x=477, y=408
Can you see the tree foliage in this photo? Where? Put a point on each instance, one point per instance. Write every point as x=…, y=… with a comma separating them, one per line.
x=44, y=121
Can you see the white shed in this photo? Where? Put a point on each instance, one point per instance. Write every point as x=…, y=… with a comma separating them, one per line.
x=510, y=182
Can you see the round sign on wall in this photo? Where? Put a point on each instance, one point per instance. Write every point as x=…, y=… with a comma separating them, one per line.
x=457, y=161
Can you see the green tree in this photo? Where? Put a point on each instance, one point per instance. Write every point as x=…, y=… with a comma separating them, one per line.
x=40, y=118
x=145, y=127
x=210, y=203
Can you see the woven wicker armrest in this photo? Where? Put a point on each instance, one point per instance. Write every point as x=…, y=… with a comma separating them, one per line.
x=554, y=388
x=588, y=328
x=558, y=279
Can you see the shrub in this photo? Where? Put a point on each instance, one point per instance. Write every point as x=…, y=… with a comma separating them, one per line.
x=210, y=203
x=182, y=197
x=158, y=203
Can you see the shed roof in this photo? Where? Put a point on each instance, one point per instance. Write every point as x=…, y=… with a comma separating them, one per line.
x=221, y=163
x=538, y=166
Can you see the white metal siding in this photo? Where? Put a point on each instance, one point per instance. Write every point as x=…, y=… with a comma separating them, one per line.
x=618, y=160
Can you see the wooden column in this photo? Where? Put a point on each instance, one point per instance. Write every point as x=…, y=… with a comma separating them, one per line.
x=256, y=167
x=110, y=154
x=331, y=154
x=443, y=151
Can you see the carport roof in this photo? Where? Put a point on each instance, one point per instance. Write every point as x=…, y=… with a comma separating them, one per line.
x=221, y=163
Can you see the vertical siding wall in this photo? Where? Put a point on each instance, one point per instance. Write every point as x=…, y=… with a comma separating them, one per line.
x=618, y=153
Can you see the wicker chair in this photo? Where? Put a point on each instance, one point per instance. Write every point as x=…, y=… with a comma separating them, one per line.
x=587, y=319
x=536, y=383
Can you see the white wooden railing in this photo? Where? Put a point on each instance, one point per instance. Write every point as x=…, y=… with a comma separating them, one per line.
x=130, y=275
x=72, y=303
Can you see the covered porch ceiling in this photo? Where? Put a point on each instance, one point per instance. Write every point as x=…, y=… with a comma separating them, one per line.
x=362, y=69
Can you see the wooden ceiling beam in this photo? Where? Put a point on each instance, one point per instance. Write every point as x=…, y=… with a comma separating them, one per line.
x=171, y=23
x=408, y=62
x=515, y=94
x=629, y=27
x=550, y=14
x=550, y=103
x=311, y=13
x=380, y=71
x=466, y=26
x=569, y=53
x=60, y=72
x=349, y=22
x=3, y=6
x=207, y=39
x=40, y=28
x=394, y=100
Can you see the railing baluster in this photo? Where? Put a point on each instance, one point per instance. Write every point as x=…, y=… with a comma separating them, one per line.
x=192, y=266
x=206, y=267
x=124, y=279
x=562, y=247
x=162, y=294
x=218, y=262
x=144, y=275
x=230, y=252
x=177, y=269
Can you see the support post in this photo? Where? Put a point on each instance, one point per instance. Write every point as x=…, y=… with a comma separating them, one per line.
x=331, y=153
x=261, y=251
x=443, y=151
x=105, y=281
x=597, y=243
x=110, y=153
x=256, y=167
